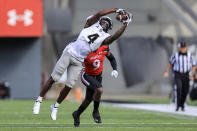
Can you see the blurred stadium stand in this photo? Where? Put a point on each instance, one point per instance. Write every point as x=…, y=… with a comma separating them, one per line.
x=153, y=34
x=21, y=65
x=143, y=59
x=58, y=20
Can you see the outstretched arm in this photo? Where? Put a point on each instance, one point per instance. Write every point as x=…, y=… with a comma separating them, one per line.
x=118, y=33
x=115, y=36
x=112, y=60
x=98, y=15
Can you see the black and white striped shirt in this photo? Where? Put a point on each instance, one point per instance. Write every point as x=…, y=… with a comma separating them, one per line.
x=182, y=63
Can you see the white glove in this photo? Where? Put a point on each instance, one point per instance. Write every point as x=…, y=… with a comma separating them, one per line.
x=121, y=11
x=129, y=18
x=114, y=73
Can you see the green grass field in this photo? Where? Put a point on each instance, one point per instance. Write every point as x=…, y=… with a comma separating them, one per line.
x=16, y=115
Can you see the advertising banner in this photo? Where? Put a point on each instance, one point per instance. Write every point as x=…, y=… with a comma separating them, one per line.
x=21, y=18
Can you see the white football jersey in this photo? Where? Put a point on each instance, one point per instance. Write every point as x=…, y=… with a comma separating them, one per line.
x=89, y=39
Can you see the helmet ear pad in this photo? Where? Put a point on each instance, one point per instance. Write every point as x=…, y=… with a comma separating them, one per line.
x=108, y=20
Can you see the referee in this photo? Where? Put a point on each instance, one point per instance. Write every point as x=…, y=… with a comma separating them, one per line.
x=181, y=62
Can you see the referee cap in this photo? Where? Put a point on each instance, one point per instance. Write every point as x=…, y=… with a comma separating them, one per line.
x=182, y=44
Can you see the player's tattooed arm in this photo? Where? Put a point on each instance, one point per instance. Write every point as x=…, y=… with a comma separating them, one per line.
x=98, y=15
x=115, y=36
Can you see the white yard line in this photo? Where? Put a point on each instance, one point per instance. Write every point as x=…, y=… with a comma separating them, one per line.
x=168, y=108
x=134, y=127
x=85, y=125
x=98, y=124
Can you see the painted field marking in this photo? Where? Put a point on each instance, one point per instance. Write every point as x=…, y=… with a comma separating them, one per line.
x=102, y=127
x=168, y=108
x=99, y=124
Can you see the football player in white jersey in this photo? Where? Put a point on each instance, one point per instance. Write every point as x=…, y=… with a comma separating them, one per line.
x=93, y=35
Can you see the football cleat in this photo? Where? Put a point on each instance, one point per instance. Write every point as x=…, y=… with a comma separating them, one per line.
x=54, y=112
x=76, y=119
x=36, y=108
x=96, y=116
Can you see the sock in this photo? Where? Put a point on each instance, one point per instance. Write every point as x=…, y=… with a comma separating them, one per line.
x=56, y=105
x=96, y=105
x=80, y=110
x=39, y=99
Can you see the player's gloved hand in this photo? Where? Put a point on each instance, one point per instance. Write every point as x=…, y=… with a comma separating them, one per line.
x=121, y=11
x=114, y=73
x=129, y=18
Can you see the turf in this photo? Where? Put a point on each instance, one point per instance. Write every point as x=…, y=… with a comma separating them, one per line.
x=16, y=115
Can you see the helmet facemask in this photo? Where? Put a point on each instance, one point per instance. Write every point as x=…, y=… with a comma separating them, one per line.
x=106, y=23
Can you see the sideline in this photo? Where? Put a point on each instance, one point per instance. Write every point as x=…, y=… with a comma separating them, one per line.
x=169, y=108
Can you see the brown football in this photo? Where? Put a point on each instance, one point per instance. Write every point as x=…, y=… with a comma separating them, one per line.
x=121, y=17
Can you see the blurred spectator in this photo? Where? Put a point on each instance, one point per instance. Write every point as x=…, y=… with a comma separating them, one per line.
x=193, y=92
x=4, y=90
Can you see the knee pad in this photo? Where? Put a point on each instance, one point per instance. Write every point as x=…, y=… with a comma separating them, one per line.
x=56, y=75
x=70, y=83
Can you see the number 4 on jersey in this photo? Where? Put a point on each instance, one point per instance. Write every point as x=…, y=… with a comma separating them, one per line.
x=92, y=38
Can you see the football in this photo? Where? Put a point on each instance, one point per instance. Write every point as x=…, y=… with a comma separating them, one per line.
x=121, y=17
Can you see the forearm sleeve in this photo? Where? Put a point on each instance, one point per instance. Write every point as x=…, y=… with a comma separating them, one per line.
x=112, y=60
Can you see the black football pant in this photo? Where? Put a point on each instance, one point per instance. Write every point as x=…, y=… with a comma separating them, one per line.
x=182, y=88
x=92, y=82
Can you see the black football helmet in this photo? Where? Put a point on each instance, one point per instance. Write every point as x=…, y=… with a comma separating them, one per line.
x=108, y=20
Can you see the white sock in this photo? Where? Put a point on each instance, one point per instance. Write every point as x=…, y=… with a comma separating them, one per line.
x=56, y=105
x=39, y=99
